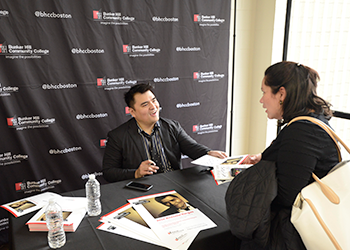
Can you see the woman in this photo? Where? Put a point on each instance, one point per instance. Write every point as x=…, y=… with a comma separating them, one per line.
x=289, y=90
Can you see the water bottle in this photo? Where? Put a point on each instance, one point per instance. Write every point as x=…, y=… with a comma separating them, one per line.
x=54, y=221
x=92, y=188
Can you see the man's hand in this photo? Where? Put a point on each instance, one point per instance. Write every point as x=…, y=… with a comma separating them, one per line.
x=147, y=167
x=219, y=154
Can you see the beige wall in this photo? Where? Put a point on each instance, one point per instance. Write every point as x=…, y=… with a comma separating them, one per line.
x=255, y=51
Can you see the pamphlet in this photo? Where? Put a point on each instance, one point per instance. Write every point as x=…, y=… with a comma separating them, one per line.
x=73, y=211
x=127, y=217
x=171, y=217
x=29, y=204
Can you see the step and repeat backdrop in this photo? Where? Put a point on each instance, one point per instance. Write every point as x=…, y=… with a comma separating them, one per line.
x=65, y=66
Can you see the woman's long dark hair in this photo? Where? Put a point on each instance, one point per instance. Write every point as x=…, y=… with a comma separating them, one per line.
x=300, y=83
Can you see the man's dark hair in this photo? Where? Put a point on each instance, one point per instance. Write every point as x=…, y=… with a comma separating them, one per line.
x=160, y=198
x=139, y=88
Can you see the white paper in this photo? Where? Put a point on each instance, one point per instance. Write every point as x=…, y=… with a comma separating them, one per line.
x=29, y=204
x=173, y=226
x=127, y=222
x=223, y=172
x=211, y=161
x=133, y=222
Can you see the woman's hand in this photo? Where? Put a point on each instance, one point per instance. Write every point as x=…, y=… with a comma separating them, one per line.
x=252, y=159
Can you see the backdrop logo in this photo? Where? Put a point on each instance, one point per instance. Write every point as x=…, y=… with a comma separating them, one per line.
x=209, y=76
x=111, y=18
x=64, y=151
x=4, y=13
x=166, y=79
x=87, y=51
x=127, y=110
x=165, y=19
x=187, y=105
x=96, y=14
x=29, y=122
x=22, y=51
x=91, y=116
x=206, y=128
x=101, y=82
x=188, y=49
x=43, y=14
x=140, y=50
x=42, y=185
x=49, y=86
x=86, y=176
x=126, y=48
x=7, y=90
x=3, y=48
x=207, y=20
x=196, y=18
x=8, y=158
x=20, y=186
x=114, y=83
x=103, y=143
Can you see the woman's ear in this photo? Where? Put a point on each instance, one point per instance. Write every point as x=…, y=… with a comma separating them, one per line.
x=282, y=93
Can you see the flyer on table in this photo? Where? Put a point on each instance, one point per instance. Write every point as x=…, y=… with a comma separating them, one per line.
x=127, y=218
x=172, y=217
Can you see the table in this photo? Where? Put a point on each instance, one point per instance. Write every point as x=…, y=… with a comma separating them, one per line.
x=196, y=186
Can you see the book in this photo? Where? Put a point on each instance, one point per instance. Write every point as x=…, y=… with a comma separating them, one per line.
x=29, y=204
x=223, y=170
x=73, y=211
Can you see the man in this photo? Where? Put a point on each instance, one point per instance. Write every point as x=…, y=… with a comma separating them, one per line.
x=175, y=204
x=147, y=144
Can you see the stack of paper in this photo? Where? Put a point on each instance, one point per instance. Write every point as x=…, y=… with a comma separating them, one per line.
x=165, y=219
x=223, y=170
x=73, y=211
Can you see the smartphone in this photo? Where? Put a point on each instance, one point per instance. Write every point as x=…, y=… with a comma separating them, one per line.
x=139, y=186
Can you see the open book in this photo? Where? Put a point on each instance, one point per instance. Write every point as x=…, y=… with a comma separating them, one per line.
x=29, y=204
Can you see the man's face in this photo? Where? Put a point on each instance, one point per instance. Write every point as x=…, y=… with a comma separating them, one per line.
x=176, y=202
x=146, y=109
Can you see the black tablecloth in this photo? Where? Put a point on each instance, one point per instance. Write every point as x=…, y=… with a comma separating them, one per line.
x=196, y=186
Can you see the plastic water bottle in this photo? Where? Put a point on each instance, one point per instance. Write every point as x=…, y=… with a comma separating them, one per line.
x=54, y=221
x=92, y=188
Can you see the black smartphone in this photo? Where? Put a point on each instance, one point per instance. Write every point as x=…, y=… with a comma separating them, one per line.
x=139, y=186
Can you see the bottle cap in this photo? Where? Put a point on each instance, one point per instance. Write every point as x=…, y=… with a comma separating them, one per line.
x=91, y=176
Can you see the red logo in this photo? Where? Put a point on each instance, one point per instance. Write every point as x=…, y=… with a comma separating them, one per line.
x=99, y=81
x=195, y=128
x=103, y=143
x=19, y=186
x=126, y=49
x=196, y=17
x=10, y=122
x=195, y=75
x=127, y=111
x=96, y=14
x=0, y=48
